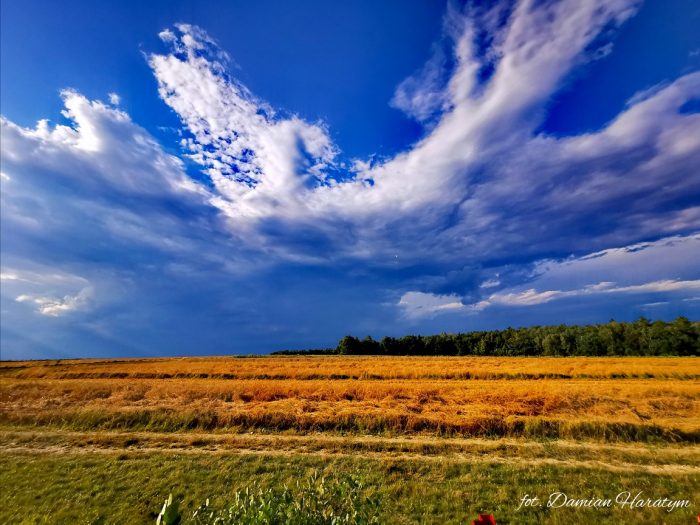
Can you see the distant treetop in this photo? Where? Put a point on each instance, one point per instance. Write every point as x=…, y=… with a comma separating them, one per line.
x=680, y=337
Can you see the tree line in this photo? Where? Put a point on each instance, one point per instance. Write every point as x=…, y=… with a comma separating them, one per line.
x=642, y=337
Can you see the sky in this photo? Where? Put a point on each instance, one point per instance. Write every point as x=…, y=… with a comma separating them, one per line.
x=209, y=178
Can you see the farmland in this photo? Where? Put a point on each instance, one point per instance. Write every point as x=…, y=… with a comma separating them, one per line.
x=436, y=438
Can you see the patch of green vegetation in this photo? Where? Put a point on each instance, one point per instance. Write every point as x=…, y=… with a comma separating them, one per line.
x=315, y=500
x=130, y=487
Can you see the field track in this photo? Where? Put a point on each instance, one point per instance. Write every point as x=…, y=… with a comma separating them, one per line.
x=668, y=460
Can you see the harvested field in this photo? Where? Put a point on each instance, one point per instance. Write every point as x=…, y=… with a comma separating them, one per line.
x=358, y=367
x=657, y=398
x=557, y=422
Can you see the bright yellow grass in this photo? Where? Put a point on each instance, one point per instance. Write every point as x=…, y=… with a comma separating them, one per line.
x=467, y=392
x=323, y=367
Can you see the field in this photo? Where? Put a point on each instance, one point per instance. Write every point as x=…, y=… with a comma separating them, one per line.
x=436, y=440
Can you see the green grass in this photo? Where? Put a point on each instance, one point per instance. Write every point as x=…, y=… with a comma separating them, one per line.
x=130, y=487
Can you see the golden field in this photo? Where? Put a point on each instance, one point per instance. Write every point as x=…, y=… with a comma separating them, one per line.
x=357, y=367
x=435, y=439
x=591, y=398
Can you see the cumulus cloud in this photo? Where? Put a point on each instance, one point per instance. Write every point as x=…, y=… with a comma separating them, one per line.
x=99, y=198
x=480, y=185
x=100, y=147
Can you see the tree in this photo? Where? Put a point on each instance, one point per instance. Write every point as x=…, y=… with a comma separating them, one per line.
x=349, y=345
x=370, y=347
x=551, y=344
x=679, y=337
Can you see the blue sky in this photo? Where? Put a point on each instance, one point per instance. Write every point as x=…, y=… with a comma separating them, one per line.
x=209, y=178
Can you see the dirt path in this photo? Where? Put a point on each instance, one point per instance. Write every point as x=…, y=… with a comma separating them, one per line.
x=661, y=460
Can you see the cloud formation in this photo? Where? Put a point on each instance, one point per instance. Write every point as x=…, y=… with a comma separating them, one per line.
x=421, y=304
x=56, y=306
x=532, y=296
x=579, y=278
x=37, y=288
x=483, y=181
x=256, y=159
x=485, y=211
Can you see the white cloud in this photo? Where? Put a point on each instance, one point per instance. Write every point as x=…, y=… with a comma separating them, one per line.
x=490, y=283
x=532, y=297
x=481, y=183
x=423, y=96
x=661, y=266
x=101, y=147
x=55, y=293
x=420, y=304
x=166, y=36
x=56, y=306
x=93, y=205
x=114, y=99
x=641, y=262
x=644, y=268
x=257, y=161
x=43, y=277
x=655, y=305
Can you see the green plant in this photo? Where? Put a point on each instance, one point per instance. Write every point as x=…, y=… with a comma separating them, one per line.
x=169, y=514
x=314, y=501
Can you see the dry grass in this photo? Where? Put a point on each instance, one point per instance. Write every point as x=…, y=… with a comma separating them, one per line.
x=662, y=460
x=536, y=397
x=359, y=367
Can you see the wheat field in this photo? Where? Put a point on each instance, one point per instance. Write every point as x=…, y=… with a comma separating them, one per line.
x=601, y=398
x=357, y=367
x=427, y=423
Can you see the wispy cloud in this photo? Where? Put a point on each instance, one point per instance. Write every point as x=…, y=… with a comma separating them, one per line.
x=532, y=296
x=257, y=160
x=671, y=254
x=420, y=304
x=480, y=185
x=57, y=306
x=41, y=288
x=655, y=305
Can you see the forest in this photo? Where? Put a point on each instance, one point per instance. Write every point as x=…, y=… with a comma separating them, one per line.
x=679, y=337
